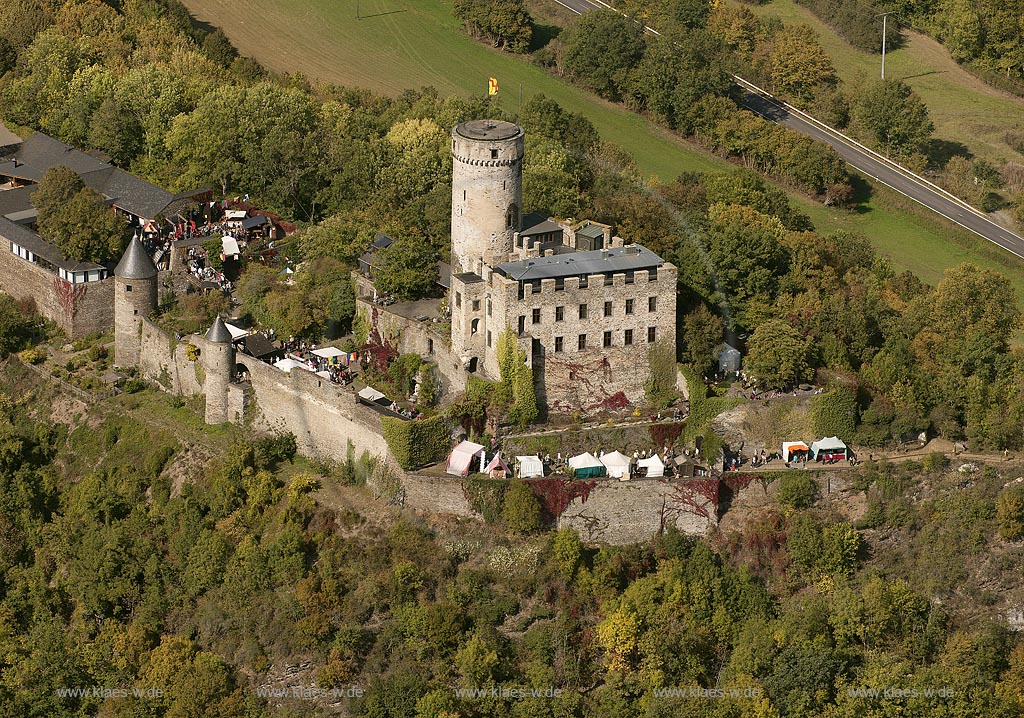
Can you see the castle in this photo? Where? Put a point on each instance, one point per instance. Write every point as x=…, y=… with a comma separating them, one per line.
x=585, y=307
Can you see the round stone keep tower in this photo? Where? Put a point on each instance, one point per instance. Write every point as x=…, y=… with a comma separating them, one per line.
x=219, y=362
x=487, y=192
x=134, y=298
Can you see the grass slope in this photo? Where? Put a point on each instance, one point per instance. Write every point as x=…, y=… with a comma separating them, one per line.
x=965, y=110
x=399, y=45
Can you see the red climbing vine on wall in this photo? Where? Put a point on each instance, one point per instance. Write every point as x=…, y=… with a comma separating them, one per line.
x=695, y=496
x=69, y=295
x=381, y=351
x=557, y=494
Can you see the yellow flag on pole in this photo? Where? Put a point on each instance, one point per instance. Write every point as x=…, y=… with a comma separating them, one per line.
x=492, y=86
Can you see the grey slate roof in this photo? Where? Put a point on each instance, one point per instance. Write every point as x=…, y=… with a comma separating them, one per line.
x=40, y=152
x=381, y=241
x=135, y=264
x=218, y=333
x=254, y=222
x=31, y=241
x=573, y=264
x=544, y=227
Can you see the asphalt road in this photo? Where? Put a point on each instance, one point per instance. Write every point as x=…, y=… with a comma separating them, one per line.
x=864, y=162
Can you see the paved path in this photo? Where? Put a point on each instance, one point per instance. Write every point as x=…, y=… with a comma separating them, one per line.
x=858, y=156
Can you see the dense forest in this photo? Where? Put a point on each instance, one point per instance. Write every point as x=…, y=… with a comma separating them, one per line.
x=144, y=551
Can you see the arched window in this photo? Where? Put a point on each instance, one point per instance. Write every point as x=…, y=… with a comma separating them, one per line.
x=475, y=326
x=512, y=217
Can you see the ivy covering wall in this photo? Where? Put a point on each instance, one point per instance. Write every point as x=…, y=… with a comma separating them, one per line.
x=417, y=443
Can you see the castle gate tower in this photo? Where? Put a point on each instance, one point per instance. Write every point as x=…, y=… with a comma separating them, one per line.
x=487, y=192
x=135, y=280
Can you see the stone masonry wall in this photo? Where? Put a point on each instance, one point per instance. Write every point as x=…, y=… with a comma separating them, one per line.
x=162, y=360
x=91, y=304
x=323, y=416
x=415, y=337
x=622, y=512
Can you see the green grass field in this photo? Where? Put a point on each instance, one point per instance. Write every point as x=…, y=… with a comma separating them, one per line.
x=964, y=108
x=399, y=45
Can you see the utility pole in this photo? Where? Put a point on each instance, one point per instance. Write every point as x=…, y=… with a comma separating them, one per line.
x=885, y=18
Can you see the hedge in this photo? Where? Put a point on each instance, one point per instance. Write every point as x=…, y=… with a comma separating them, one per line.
x=417, y=443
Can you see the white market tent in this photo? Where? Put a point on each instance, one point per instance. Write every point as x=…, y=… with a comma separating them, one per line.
x=654, y=465
x=617, y=464
x=586, y=465
x=788, y=447
x=236, y=332
x=529, y=467
x=370, y=394
x=460, y=461
x=328, y=352
x=230, y=246
x=236, y=214
x=286, y=365
x=830, y=445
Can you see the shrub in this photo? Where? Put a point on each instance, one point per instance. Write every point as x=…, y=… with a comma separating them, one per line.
x=485, y=496
x=416, y=443
x=33, y=355
x=520, y=510
x=835, y=413
x=935, y=461
x=275, y=449
x=798, y=490
x=1010, y=513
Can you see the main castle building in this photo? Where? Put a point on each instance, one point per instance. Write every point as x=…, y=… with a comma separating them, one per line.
x=585, y=307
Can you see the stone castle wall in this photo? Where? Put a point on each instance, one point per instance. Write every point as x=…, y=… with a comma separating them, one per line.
x=323, y=416
x=622, y=512
x=414, y=337
x=162, y=360
x=78, y=309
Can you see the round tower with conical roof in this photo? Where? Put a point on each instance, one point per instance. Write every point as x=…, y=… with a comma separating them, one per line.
x=218, y=357
x=135, y=279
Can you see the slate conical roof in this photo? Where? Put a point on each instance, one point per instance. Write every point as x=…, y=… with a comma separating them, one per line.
x=218, y=332
x=135, y=264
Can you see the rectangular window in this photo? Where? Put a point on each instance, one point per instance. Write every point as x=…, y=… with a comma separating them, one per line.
x=559, y=313
x=536, y=315
x=629, y=306
x=583, y=311
x=583, y=281
x=127, y=287
x=558, y=344
x=652, y=304
x=607, y=339
x=476, y=305
x=522, y=324
x=652, y=335
x=652, y=274
x=627, y=338
x=458, y=299
x=629, y=277
x=488, y=337
x=608, y=280
x=583, y=342
x=607, y=309
x=488, y=307
x=560, y=284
